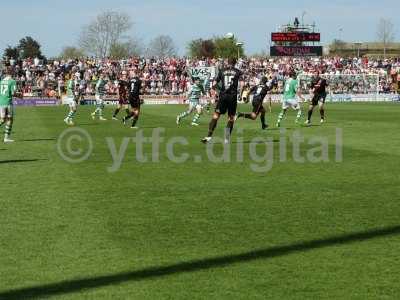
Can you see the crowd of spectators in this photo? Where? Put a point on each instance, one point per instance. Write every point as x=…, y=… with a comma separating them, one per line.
x=170, y=76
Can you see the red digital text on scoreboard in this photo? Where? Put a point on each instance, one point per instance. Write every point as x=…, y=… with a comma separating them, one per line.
x=295, y=37
x=300, y=51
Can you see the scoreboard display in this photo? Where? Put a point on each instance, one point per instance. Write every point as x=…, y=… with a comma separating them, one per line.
x=300, y=51
x=295, y=37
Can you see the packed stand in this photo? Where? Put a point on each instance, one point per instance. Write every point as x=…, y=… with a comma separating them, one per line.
x=171, y=76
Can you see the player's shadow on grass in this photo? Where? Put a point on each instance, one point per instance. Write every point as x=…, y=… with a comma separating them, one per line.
x=258, y=142
x=280, y=128
x=77, y=285
x=16, y=161
x=89, y=124
x=39, y=140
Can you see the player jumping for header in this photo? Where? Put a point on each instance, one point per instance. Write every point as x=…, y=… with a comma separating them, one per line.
x=227, y=83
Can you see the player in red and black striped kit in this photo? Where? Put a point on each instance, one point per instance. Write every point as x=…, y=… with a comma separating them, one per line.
x=134, y=92
x=318, y=86
x=123, y=87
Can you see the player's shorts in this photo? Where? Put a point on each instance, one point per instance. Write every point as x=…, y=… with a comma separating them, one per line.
x=6, y=111
x=318, y=98
x=293, y=103
x=135, y=102
x=194, y=105
x=226, y=103
x=257, y=105
x=123, y=101
x=99, y=99
x=71, y=102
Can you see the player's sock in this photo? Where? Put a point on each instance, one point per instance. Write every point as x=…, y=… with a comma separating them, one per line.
x=228, y=131
x=262, y=118
x=211, y=127
x=299, y=114
x=99, y=109
x=309, y=115
x=196, y=118
x=240, y=115
x=7, y=131
x=247, y=116
x=183, y=115
x=116, y=112
x=71, y=115
x=229, y=126
x=322, y=112
x=280, y=117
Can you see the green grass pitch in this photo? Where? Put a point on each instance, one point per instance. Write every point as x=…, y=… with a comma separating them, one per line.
x=327, y=230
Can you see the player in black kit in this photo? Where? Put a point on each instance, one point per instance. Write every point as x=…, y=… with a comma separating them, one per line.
x=259, y=92
x=134, y=91
x=318, y=87
x=227, y=84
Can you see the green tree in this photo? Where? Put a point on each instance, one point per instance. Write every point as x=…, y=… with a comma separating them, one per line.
x=28, y=47
x=11, y=52
x=227, y=48
x=201, y=48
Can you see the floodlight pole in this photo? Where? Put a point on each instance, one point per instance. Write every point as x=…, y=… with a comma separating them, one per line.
x=239, y=45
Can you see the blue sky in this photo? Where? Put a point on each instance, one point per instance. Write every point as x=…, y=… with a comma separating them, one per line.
x=57, y=23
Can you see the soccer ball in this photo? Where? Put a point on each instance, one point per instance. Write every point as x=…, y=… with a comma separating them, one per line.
x=229, y=35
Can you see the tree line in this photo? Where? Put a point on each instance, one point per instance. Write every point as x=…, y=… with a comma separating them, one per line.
x=109, y=35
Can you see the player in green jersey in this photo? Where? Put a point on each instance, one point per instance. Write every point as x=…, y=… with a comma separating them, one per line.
x=8, y=88
x=291, y=92
x=100, y=92
x=72, y=97
x=194, y=94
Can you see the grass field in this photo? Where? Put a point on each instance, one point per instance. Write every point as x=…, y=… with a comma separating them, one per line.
x=328, y=230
